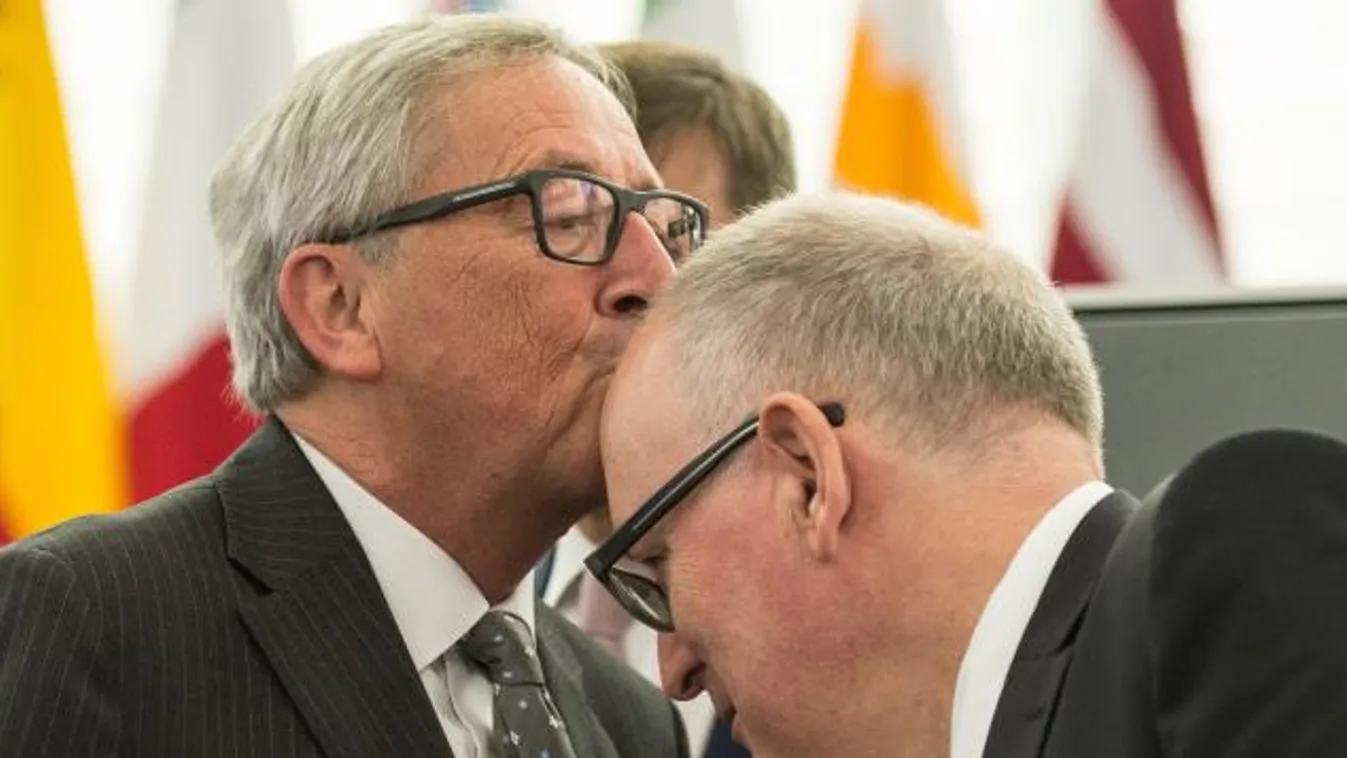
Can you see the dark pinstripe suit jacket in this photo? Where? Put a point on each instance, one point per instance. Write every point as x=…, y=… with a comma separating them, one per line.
x=238, y=616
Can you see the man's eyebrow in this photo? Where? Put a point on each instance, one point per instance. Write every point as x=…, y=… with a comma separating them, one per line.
x=651, y=545
x=647, y=184
x=573, y=163
x=558, y=159
x=638, y=552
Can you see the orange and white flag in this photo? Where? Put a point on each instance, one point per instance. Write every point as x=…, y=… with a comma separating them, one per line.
x=900, y=132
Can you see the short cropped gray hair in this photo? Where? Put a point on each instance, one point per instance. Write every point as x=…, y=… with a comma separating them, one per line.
x=339, y=147
x=911, y=321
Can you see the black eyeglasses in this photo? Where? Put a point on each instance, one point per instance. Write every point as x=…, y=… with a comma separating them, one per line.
x=641, y=595
x=578, y=217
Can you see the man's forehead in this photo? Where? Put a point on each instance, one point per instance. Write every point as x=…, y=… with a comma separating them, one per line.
x=645, y=426
x=549, y=113
x=629, y=170
x=633, y=416
x=641, y=380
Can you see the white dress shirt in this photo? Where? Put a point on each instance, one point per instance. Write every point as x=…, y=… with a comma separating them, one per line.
x=568, y=563
x=982, y=674
x=434, y=603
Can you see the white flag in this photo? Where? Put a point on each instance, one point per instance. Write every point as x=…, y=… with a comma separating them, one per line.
x=711, y=25
x=228, y=59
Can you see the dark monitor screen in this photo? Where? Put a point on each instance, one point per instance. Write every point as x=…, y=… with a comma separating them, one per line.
x=1181, y=372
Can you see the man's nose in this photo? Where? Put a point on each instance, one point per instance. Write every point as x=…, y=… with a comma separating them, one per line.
x=680, y=669
x=639, y=268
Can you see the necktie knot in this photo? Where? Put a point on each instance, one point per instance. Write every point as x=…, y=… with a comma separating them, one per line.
x=500, y=644
x=527, y=723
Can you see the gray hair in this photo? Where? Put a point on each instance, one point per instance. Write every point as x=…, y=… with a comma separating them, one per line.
x=339, y=147
x=911, y=321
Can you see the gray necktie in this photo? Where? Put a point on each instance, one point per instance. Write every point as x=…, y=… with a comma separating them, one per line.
x=527, y=723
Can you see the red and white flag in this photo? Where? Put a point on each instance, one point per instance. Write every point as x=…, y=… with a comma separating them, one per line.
x=228, y=59
x=1138, y=208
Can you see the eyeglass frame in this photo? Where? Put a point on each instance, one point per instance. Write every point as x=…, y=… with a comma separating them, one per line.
x=530, y=183
x=603, y=561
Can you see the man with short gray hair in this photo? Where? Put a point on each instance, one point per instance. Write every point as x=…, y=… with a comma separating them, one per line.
x=436, y=244
x=905, y=546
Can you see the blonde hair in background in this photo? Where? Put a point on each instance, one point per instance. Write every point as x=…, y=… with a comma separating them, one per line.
x=680, y=89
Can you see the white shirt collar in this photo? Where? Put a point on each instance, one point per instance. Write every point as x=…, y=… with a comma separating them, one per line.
x=433, y=600
x=568, y=563
x=991, y=650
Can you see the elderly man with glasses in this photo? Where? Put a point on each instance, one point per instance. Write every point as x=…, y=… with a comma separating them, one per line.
x=855, y=456
x=435, y=246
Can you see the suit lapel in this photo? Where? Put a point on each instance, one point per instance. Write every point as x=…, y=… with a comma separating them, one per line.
x=1029, y=697
x=565, y=680
x=320, y=617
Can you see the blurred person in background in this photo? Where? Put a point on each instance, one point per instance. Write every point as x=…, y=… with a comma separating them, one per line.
x=718, y=136
x=711, y=132
x=855, y=450
x=435, y=246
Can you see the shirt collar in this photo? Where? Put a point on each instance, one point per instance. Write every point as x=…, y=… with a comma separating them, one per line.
x=433, y=600
x=991, y=650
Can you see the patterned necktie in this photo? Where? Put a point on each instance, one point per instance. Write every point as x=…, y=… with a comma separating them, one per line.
x=527, y=723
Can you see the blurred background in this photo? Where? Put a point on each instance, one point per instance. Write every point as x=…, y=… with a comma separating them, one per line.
x=1148, y=145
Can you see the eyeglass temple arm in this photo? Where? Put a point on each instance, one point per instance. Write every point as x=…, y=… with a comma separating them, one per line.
x=424, y=210
x=688, y=477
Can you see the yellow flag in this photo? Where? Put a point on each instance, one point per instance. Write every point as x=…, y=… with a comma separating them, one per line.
x=60, y=434
x=899, y=133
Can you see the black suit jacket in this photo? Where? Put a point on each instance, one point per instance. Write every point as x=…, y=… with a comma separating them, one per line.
x=1215, y=626
x=237, y=615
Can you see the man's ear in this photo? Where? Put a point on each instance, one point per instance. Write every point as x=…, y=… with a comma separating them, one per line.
x=807, y=449
x=324, y=295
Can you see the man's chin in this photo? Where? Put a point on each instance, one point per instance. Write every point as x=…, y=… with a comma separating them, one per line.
x=727, y=714
x=732, y=718
x=744, y=736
